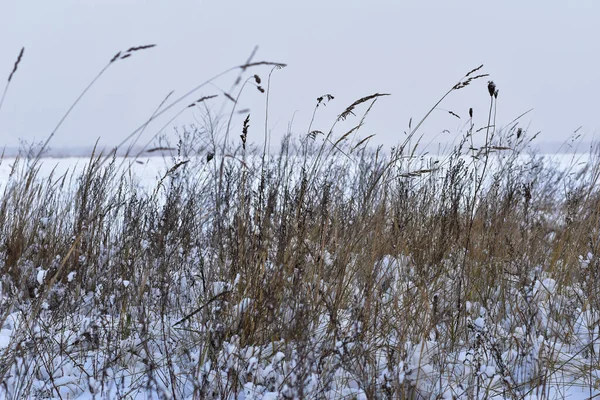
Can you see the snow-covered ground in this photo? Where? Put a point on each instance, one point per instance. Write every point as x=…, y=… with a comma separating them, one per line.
x=148, y=170
x=80, y=360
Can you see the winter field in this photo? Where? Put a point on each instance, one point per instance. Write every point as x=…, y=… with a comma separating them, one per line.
x=328, y=286
x=327, y=269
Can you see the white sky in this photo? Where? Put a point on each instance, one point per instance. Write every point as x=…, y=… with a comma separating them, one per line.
x=541, y=54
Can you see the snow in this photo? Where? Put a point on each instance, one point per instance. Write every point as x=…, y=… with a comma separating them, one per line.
x=5, y=338
x=41, y=275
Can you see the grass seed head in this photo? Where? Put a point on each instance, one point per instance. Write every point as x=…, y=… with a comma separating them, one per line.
x=16, y=64
x=491, y=88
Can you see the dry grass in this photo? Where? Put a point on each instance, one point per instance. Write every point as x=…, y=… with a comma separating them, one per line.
x=327, y=270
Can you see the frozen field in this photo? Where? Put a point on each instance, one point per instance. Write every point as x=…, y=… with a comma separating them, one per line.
x=148, y=170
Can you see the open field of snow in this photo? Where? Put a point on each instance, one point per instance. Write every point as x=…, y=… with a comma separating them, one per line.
x=148, y=170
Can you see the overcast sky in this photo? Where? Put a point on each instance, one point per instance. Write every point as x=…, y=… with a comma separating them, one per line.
x=541, y=54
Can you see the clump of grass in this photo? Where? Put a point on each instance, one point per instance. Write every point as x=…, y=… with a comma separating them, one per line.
x=327, y=269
